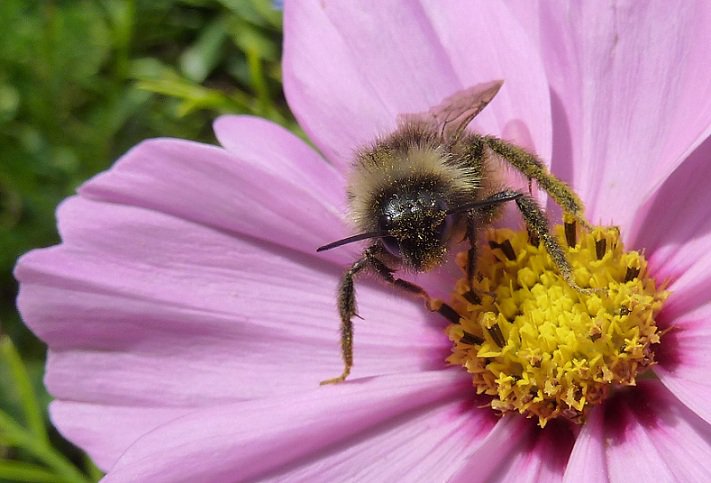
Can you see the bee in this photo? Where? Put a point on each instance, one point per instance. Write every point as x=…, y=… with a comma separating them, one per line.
x=429, y=185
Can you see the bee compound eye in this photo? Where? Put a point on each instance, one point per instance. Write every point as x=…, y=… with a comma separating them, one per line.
x=392, y=245
x=444, y=229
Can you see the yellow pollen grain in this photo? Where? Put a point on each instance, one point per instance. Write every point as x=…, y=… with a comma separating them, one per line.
x=539, y=347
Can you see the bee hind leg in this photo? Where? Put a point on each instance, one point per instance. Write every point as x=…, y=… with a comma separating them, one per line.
x=533, y=168
x=537, y=225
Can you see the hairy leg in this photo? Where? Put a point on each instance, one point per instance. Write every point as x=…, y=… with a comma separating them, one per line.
x=347, y=303
x=347, y=310
x=533, y=168
x=537, y=224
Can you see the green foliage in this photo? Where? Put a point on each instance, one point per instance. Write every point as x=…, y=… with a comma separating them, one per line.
x=80, y=82
x=29, y=440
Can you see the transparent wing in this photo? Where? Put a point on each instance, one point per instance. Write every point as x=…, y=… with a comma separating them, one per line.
x=453, y=115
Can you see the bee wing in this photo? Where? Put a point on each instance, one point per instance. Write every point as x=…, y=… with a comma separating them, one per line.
x=455, y=113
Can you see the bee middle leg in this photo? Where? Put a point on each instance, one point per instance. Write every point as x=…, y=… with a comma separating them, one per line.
x=484, y=215
x=471, y=295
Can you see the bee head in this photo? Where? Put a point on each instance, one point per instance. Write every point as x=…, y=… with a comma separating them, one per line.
x=417, y=226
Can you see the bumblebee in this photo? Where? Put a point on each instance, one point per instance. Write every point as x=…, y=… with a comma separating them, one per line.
x=431, y=184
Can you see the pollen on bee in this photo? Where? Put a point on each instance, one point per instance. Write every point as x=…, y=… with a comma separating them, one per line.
x=537, y=346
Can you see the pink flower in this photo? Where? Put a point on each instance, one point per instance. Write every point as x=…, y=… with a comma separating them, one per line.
x=189, y=319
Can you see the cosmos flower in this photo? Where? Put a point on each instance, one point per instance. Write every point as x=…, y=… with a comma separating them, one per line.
x=189, y=319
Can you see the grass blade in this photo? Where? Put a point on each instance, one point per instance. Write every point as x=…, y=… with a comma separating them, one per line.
x=34, y=416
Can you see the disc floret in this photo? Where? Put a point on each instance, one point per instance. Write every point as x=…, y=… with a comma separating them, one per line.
x=538, y=346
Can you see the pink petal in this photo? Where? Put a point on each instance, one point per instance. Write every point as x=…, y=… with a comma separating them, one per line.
x=210, y=186
x=268, y=146
x=429, y=445
x=519, y=451
x=106, y=431
x=490, y=454
x=676, y=235
x=681, y=439
x=648, y=436
x=689, y=292
x=588, y=462
x=133, y=292
x=631, y=97
x=271, y=438
x=676, y=232
x=684, y=360
x=344, y=96
x=216, y=309
x=146, y=298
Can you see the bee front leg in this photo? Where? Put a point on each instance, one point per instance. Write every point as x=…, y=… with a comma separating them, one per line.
x=347, y=304
x=433, y=305
x=347, y=310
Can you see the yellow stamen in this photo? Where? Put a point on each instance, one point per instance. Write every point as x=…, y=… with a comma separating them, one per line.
x=538, y=346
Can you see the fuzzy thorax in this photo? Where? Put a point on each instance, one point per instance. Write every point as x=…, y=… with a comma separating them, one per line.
x=410, y=159
x=539, y=347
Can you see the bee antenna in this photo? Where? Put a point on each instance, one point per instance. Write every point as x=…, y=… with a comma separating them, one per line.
x=494, y=200
x=351, y=239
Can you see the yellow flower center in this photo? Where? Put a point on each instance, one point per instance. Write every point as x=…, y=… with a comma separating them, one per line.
x=538, y=346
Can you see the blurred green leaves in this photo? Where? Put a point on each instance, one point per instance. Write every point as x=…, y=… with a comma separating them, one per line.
x=29, y=438
x=81, y=81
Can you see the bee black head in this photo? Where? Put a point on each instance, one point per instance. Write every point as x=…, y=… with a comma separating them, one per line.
x=417, y=225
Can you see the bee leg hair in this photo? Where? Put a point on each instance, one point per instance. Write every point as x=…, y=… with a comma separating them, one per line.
x=347, y=310
x=347, y=304
x=537, y=224
x=533, y=168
